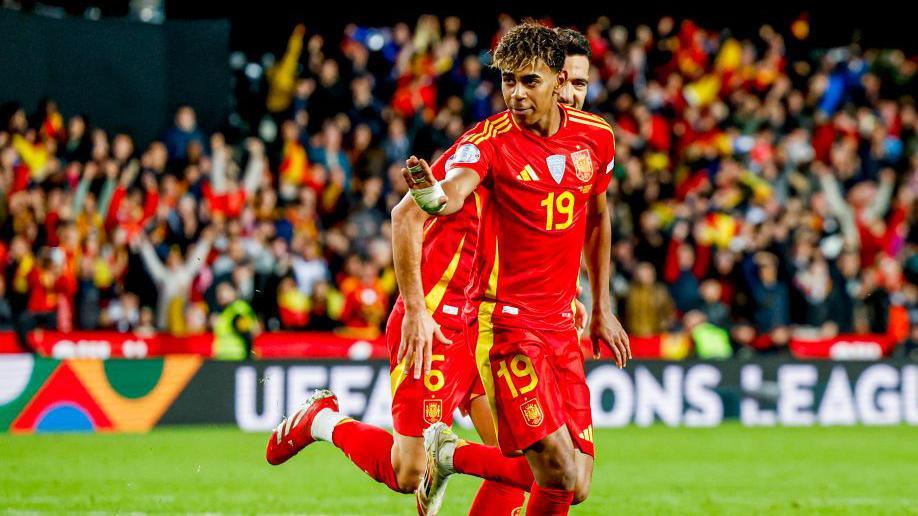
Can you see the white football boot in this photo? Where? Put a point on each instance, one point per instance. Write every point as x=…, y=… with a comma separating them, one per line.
x=440, y=444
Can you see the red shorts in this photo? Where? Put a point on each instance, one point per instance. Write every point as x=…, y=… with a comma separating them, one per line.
x=452, y=382
x=535, y=383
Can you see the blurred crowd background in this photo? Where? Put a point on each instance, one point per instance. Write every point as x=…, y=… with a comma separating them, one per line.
x=766, y=187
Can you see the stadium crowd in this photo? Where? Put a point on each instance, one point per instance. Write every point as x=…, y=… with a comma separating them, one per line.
x=765, y=188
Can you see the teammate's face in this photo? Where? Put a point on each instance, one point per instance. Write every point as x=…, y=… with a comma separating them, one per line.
x=574, y=90
x=530, y=92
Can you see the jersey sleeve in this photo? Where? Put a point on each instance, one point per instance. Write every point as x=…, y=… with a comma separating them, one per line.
x=608, y=163
x=464, y=154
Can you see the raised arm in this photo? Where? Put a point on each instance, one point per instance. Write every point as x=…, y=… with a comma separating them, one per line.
x=151, y=260
x=838, y=206
x=439, y=197
x=880, y=203
x=89, y=173
x=218, y=164
x=196, y=257
x=254, y=170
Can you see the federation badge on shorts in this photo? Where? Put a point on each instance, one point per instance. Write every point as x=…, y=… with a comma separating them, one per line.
x=583, y=165
x=433, y=411
x=556, y=165
x=532, y=412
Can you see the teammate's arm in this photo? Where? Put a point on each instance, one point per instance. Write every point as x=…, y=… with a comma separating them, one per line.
x=418, y=326
x=439, y=198
x=604, y=327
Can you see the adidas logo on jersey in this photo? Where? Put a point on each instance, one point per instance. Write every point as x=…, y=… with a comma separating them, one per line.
x=527, y=174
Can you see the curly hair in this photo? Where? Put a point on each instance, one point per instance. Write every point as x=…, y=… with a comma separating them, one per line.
x=575, y=43
x=526, y=44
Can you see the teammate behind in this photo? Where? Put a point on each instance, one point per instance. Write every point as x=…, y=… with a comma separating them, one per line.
x=416, y=399
x=577, y=54
x=539, y=162
x=432, y=370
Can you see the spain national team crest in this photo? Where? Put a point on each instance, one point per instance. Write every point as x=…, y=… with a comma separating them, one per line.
x=556, y=165
x=583, y=165
x=532, y=412
x=433, y=411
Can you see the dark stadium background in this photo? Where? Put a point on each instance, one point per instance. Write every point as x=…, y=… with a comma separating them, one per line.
x=833, y=23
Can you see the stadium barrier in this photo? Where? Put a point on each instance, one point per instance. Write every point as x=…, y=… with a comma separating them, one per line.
x=47, y=395
x=293, y=345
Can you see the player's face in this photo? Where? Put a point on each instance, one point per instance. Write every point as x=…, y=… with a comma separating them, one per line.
x=574, y=90
x=530, y=92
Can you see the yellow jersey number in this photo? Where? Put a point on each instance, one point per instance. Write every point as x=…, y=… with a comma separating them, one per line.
x=520, y=367
x=563, y=204
x=434, y=380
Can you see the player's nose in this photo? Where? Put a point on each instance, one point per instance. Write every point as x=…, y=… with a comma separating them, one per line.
x=519, y=92
x=566, y=96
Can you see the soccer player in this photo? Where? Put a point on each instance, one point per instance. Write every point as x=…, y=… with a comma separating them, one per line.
x=425, y=333
x=432, y=369
x=444, y=260
x=577, y=54
x=545, y=168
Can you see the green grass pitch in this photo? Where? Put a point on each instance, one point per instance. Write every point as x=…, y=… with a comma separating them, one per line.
x=656, y=470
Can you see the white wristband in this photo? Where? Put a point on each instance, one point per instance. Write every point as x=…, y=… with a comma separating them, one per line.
x=428, y=199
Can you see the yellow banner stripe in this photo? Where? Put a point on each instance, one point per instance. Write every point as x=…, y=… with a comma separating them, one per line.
x=136, y=414
x=435, y=296
x=477, y=204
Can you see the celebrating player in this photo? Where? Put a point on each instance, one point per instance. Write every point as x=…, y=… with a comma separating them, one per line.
x=426, y=333
x=419, y=402
x=546, y=168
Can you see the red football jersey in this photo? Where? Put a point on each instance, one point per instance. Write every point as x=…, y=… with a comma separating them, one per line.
x=447, y=254
x=533, y=226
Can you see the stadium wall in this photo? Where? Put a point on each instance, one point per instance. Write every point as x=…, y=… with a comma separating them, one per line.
x=129, y=76
x=47, y=395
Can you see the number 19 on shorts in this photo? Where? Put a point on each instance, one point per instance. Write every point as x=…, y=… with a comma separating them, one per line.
x=519, y=367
